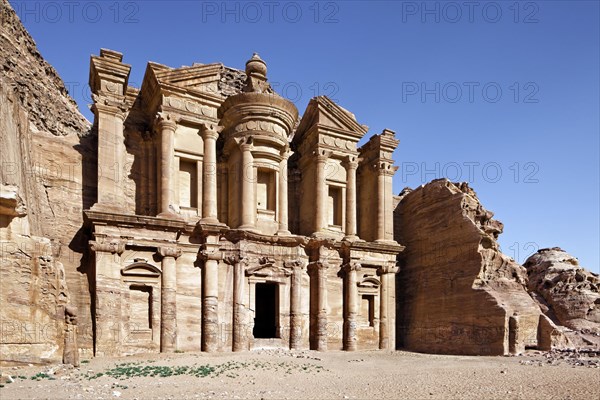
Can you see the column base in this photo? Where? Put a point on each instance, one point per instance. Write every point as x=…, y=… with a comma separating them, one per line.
x=249, y=228
x=386, y=241
x=108, y=208
x=352, y=238
x=170, y=215
x=323, y=235
x=283, y=232
x=210, y=220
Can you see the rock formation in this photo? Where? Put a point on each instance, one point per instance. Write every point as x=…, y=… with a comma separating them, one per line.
x=568, y=294
x=458, y=294
x=36, y=85
x=43, y=137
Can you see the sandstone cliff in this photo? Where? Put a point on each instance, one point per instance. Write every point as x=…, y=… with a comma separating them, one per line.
x=458, y=294
x=568, y=293
x=43, y=145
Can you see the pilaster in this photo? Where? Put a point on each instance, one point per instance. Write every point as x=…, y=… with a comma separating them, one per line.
x=209, y=175
x=298, y=269
x=387, y=304
x=210, y=298
x=108, y=328
x=168, y=296
x=351, y=306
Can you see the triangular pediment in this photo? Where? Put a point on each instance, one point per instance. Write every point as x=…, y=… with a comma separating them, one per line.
x=212, y=81
x=324, y=113
x=190, y=77
x=268, y=270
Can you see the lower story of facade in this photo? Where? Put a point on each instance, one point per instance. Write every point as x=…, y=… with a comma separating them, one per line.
x=163, y=285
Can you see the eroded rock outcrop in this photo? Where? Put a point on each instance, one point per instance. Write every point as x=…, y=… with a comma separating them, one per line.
x=44, y=154
x=36, y=84
x=568, y=293
x=458, y=294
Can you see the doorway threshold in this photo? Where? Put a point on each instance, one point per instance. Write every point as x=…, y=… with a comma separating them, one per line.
x=271, y=343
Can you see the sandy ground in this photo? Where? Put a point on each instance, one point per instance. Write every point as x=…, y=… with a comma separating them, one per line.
x=276, y=374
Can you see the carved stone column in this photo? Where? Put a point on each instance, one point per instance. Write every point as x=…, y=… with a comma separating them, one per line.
x=166, y=129
x=385, y=220
x=248, y=188
x=318, y=301
x=108, y=327
x=109, y=78
x=168, y=299
x=387, y=307
x=297, y=268
x=210, y=299
x=351, y=302
x=209, y=176
x=283, y=194
x=239, y=327
x=351, y=166
x=321, y=193
x=380, y=204
x=70, y=351
x=111, y=158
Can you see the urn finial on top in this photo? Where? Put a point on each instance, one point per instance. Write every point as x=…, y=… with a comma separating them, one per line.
x=256, y=67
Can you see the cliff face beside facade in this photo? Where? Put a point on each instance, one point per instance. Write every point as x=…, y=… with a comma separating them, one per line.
x=457, y=293
x=41, y=201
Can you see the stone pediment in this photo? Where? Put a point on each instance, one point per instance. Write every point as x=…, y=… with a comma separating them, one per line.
x=369, y=282
x=196, y=76
x=212, y=82
x=141, y=269
x=324, y=113
x=269, y=270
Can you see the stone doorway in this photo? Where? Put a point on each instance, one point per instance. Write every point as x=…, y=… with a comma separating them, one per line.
x=266, y=310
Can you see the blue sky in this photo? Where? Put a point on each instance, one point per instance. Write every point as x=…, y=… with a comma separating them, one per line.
x=502, y=94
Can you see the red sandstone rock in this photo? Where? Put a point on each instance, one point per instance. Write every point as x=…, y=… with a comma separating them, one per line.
x=457, y=292
x=568, y=292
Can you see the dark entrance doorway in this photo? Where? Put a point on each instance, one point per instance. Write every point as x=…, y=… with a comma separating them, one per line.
x=267, y=304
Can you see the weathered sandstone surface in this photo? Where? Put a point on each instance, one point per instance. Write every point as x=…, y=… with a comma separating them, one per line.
x=568, y=293
x=41, y=198
x=457, y=292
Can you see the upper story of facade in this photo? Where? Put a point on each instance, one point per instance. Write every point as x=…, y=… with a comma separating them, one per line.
x=214, y=145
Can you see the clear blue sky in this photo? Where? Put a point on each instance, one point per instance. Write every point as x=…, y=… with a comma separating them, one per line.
x=502, y=94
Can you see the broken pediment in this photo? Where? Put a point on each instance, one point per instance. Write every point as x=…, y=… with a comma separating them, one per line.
x=324, y=113
x=269, y=270
x=213, y=79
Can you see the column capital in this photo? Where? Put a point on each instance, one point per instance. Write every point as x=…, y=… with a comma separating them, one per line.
x=209, y=131
x=322, y=155
x=285, y=153
x=233, y=259
x=206, y=255
x=165, y=121
x=388, y=269
x=169, y=251
x=110, y=107
x=113, y=247
x=246, y=147
x=294, y=265
x=385, y=168
x=351, y=162
x=316, y=266
x=245, y=143
x=351, y=266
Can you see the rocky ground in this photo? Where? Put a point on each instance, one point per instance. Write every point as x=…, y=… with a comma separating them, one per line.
x=272, y=374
